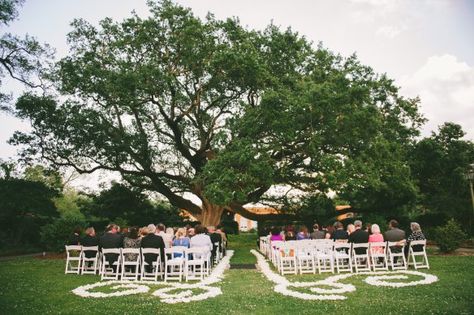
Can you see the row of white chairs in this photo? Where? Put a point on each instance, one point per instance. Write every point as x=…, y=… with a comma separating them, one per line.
x=131, y=264
x=309, y=256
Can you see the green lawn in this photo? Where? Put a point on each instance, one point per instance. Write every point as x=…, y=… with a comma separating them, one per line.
x=34, y=286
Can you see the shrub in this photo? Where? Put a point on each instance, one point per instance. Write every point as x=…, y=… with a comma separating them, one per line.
x=449, y=236
x=55, y=235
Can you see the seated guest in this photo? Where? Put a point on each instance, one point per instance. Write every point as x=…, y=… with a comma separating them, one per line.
x=290, y=233
x=221, y=231
x=317, y=234
x=151, y=240
x=416, y=235
x=167, y=238
x=124, y=231
x=340, y=234
x=367, y=228
x=90, y=239
x=215, y=238
x=376, y=236
x=75, y=237
x=303, y=234
x=190, y=232
x=111, y=239
x=132, y=240
x=170, y=232
x=394, y=234
x=181, y=239
x=276, y=235
x=142, y=231
x=201, y=239
x=359, y=236
x=329, y=231
x=350, y=228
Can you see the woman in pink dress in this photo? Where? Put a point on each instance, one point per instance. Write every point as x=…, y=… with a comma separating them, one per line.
x=376, y=236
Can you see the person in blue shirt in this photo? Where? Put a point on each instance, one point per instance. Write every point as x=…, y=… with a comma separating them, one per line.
x=180, y=239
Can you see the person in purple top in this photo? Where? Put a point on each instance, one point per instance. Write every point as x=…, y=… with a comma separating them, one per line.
x=303, y=234
x=276, y=236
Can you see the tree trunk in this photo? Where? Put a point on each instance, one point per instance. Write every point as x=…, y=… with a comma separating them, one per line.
x=211, y=213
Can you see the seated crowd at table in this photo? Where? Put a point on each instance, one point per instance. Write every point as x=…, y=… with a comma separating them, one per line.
x=354, y=233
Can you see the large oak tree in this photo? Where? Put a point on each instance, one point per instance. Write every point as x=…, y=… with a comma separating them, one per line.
x=177, y=104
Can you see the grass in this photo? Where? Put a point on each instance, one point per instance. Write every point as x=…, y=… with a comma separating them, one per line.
x=39, y=286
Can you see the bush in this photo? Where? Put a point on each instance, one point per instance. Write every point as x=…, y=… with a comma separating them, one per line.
x=55, y=235
x=449, y=236
x=374, y=218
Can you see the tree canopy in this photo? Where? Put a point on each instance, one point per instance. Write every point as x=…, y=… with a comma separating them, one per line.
x=179, y=104
x=21, y=59
x=439, y=165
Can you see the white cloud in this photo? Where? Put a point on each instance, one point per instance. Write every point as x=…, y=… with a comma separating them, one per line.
x=389, y=31
x=446, y=88
x=389, y=18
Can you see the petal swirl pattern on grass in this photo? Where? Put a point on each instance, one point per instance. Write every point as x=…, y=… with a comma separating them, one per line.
x=379, y=278
x=172, y=293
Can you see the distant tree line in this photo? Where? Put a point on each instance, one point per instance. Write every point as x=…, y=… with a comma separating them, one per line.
x=37, y=210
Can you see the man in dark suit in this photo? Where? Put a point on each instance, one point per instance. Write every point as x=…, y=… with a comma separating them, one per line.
x=339, y=233
x=75, y=237
x=151, y=240
x=359, y=236
x=215, y=238
x=111, y=239
x=90, y=239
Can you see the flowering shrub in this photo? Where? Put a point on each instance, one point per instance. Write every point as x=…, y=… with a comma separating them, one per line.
x=449, y=237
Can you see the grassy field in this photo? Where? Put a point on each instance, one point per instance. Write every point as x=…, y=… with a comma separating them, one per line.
x=39, y=286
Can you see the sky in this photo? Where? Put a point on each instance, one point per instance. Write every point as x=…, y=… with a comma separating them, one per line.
x=426, y=46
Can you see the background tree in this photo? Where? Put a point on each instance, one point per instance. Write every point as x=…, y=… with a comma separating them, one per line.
x=24, y=207
x=21, y=59
x=439, y=164
x=176, y=104
x=130, y=206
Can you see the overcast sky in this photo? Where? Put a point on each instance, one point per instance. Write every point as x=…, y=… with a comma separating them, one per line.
x=427, y=46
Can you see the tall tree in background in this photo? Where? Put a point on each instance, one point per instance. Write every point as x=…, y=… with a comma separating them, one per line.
x=21, y=59
x=24, y=207
x=176, y=104
x=440, y=164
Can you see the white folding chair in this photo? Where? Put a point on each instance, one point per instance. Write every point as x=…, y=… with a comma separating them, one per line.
x=262, y=244
x=110, y=271
x=156, y=266
x=378, y=255
x=360, y=257
x=324, y=255
x=90, y=264
x=130, y=260
x=305, y=258
x=195, y=263
x=396, y=255
x=342, y=256
x=418, y=249
x=275, y=248
x=287, y=259
x=73, y=259
x=207, y=261
x=174, y=265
